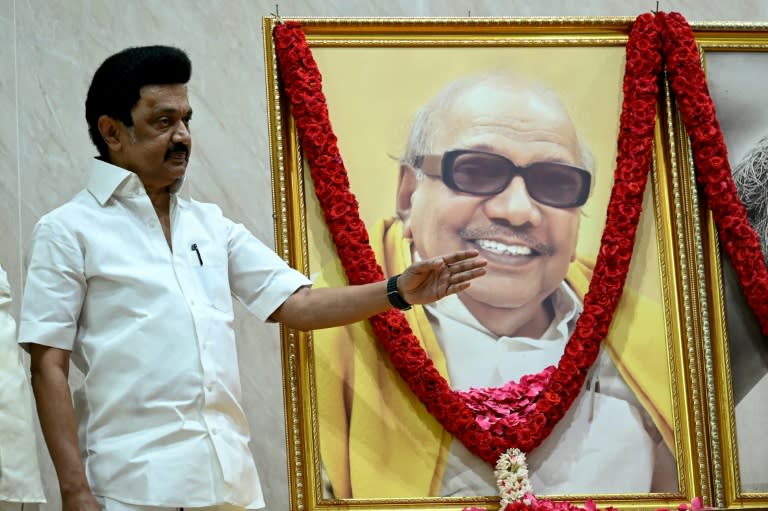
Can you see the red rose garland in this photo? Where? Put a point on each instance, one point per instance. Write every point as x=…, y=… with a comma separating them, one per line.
x=302, y=82
x=532, y=416
x=713, y=173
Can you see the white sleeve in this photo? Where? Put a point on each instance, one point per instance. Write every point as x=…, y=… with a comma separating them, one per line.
x=55, y=288
x=258, y=277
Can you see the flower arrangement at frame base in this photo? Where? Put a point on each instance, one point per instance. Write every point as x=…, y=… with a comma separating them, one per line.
x=517, y=494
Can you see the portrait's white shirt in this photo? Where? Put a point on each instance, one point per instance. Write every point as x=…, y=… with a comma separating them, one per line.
x=159, y=411
x=751, y=418
x=587, y=450
x=19, y=471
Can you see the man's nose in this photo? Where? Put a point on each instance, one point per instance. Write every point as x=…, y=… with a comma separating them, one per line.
x=514, y=205
x=181, y=132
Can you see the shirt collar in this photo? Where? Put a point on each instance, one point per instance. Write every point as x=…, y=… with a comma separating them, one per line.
x=565, y=304
x=106, y=180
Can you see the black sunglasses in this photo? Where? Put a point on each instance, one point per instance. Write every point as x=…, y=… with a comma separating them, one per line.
x=483, y=173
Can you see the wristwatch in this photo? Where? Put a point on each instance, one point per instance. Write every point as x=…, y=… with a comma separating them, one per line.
x=394, y=296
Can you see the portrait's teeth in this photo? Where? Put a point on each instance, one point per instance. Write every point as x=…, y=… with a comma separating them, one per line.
x=501, y=248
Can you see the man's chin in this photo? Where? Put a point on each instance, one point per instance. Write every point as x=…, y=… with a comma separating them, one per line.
x=177, y=166
x=495, y=298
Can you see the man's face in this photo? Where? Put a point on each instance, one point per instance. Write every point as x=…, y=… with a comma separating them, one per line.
x=158, y=145
x=527, y=244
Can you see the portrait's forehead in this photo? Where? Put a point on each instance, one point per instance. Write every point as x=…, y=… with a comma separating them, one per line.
x=506, y=113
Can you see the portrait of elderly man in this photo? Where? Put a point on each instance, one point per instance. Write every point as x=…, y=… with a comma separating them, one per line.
x=750, y=175
x=748, y=345
x=494, y=163
x=736, y=79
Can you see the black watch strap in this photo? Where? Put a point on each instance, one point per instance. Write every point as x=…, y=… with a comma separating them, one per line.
x=395, y=298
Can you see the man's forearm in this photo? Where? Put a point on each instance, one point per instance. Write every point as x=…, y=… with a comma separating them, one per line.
x=57, y=420
x=311, y=309
x=422, y=282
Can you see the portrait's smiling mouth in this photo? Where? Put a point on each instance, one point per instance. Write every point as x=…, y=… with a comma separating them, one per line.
x=507, y=246
x=497, y=247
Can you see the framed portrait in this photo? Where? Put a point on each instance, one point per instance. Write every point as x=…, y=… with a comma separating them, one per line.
x=735, y=57
x=420, y=108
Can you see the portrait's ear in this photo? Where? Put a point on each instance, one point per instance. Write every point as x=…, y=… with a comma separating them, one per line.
x=406, y=185
x=110, y=131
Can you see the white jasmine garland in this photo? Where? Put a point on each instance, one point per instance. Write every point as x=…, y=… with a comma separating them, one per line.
x=512, y=476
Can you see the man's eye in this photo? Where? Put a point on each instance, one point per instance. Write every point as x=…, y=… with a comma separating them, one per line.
x=164, y=122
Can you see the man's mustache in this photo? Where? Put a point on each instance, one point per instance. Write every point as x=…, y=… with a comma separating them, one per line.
x=521, y=234
x=177, y=148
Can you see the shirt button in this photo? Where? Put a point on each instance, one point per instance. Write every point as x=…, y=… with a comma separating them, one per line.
x=214, y=431
x=209, y=387
x=192, y=302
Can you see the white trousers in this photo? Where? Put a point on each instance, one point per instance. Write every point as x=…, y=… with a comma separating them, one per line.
x=115, y=505
x=18, y=506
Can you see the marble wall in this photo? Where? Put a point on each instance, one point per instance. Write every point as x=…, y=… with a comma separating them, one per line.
x=48, y=52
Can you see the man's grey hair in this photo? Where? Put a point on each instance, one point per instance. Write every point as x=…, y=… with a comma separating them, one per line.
x=428, y=119
x=751, y=178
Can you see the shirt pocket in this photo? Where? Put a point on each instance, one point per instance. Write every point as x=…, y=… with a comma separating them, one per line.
x=213, y=268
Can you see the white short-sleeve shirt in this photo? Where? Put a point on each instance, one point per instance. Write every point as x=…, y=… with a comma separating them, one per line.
x=19, y=471
x=160, y=420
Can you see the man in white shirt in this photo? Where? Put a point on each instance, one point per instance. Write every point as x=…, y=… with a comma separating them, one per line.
x=134, y=283
x=493, y=163
x=19, y=473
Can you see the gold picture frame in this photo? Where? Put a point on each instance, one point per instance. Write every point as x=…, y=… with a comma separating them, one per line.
x=737, y=354
x=376, y=74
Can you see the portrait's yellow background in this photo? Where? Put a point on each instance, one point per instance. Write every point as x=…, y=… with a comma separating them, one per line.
x=374, y=93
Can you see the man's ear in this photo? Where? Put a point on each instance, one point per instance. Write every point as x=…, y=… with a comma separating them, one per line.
x=406, y=185
x=110, y=131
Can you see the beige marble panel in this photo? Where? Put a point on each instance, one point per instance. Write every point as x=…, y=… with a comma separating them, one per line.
x=10, y=257
x=10, y=231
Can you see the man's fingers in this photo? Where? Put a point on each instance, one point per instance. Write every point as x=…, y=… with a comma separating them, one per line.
x=466, y=275
x=441, y=276
x=455, y=262
x=456, y=257
x=466, y=265
x=458, y=282
x=456, y=288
